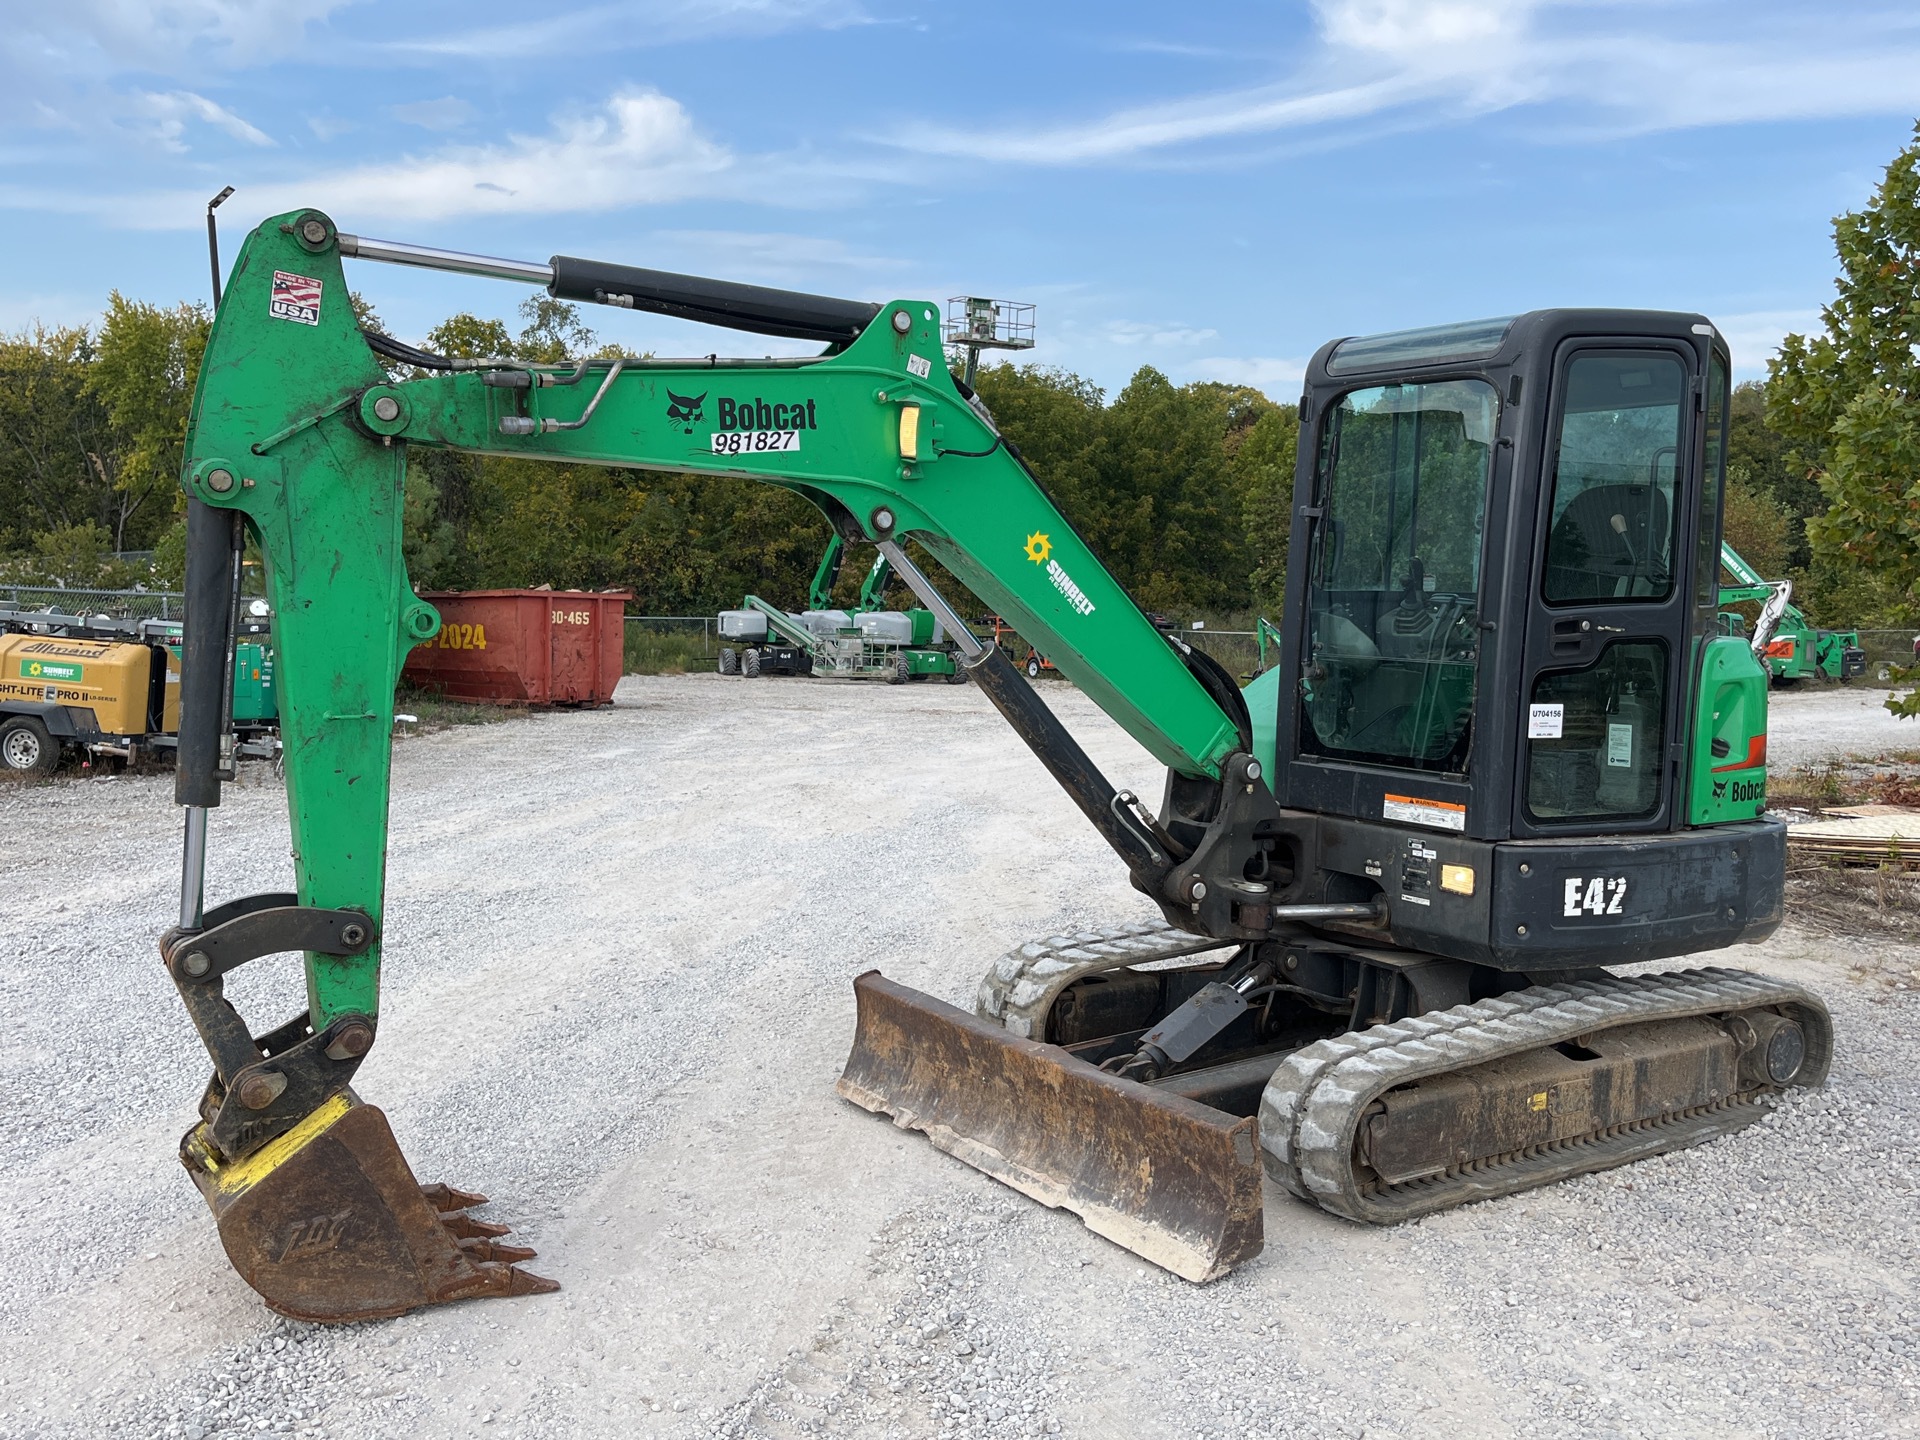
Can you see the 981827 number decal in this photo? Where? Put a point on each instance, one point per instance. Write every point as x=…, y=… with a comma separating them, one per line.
x=1595, y=895
x=754, y=442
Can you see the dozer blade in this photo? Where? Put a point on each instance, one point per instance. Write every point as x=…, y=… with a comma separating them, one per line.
x=328, y=1223
x=1171, y=1180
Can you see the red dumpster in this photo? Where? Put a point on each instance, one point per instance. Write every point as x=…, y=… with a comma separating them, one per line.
x=535, y=647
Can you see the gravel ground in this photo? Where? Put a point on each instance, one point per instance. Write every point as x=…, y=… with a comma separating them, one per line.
x=617, y=996
x=1807, y=726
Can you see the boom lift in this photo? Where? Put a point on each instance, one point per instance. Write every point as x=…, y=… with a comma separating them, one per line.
x=1504, y=747
x=863, y=643
x=1788, y=645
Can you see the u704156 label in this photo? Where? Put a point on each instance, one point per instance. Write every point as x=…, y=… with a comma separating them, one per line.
x=754, y=442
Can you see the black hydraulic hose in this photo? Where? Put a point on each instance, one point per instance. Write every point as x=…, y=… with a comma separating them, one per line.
x=406, y=354
x=998, y=441
x=1075, y=771
x=1220, y=687
x=205, y=646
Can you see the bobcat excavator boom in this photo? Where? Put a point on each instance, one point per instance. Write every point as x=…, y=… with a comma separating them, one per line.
x=1383, y=890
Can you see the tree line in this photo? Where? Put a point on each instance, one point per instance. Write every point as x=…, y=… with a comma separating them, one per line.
x=1184, y=491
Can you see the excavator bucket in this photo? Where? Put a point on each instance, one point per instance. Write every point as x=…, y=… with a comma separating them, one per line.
x=328, y=1223
x=1168, y=1178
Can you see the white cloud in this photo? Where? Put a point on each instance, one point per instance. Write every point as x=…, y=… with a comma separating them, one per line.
x=159, y=35
x=449, y=112
x=1131, y=334
x=1754, y=336
x=166, y=116
x=1663, y=64
x=633, y=25
x=1128, y=132
x=329, y=126
x=1278, y=377
x=641, y=148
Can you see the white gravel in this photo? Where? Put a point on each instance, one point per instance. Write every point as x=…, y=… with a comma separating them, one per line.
x=619, y=949
x=1810, y=725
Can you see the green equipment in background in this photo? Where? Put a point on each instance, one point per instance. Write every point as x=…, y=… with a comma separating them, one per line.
x=1783, y=639
x=864, y=643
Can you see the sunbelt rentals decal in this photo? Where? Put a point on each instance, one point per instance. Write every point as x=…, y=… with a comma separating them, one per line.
x=1040, y=552
x=51, y=670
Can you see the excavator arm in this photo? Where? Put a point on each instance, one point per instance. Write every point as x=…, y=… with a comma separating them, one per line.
x=299, y=438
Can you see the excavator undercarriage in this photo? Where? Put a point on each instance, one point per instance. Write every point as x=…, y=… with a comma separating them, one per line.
x=1377, y=1118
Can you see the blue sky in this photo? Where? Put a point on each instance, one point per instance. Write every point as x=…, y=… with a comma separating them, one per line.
x=1213, y=189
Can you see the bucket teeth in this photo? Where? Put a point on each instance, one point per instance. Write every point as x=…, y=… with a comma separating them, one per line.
x=328, y=1223
x=445, y=1197
x=465, y=1226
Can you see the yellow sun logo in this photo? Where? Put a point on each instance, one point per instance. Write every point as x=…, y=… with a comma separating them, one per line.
x=1038, y=548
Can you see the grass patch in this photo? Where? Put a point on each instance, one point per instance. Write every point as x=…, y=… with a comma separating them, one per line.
x=667, y=650
x=434, y=712
x=1815, y=789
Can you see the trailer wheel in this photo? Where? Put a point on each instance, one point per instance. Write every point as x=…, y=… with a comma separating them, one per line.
x=729, y=661
x=27, y=748
x=750, y=664
x=1033, y=667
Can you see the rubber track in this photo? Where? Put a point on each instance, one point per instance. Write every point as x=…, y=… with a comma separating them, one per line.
x=1023, y=984
x=1313, y=1106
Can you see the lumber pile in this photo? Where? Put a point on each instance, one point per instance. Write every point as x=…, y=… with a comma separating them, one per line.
x=1860, y=835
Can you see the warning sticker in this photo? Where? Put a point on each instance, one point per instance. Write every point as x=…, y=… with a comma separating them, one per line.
x=1440, y=814
x=1545, y=722
x=295, y=297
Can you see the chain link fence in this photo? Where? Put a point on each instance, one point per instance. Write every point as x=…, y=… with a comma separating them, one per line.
x=117, y=604
x=670, y=644
x=1887, y=650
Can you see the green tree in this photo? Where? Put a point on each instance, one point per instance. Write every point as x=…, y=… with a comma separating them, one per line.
x=147, y=364
x=1772, y=471
x=59, y=451
x=1182, y=491
x=1849, y=397
x=1263, y=461
x=554, y=332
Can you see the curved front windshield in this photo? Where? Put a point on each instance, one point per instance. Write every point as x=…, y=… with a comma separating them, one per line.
x=1393, y=598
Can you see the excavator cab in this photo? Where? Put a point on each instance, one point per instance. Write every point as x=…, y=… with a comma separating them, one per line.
x=1505, y=568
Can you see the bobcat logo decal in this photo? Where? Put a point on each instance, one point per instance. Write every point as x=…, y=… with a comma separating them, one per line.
x=686, y=410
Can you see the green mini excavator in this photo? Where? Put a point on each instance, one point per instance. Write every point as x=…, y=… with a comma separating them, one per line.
x=1504, y=748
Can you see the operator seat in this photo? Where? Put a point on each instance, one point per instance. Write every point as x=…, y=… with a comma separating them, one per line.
x=1609, y=543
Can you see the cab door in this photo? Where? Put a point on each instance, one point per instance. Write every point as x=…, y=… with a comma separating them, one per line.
x=1609, y=617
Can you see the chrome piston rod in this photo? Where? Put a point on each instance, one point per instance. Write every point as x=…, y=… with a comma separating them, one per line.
x=193, y=869
x=426, y=257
